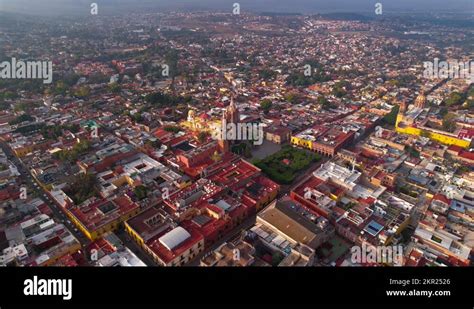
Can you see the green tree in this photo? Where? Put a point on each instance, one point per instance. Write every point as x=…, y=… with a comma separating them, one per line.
x=82, y=92
x=325, y=104
x=137, y=117
x=73, y=154
x=267, y=74
x=20, y=119
x=454, y=98
x=82, y=188
x=413, y=152
x=449, y=122
x=115, y=88
x=443, y=111
x=141, y=192
x=202, y=136
x=173, y=129
x=60, y=88
x=293, y=97
x=391, y=118
x=340, y=88
x=266, y=105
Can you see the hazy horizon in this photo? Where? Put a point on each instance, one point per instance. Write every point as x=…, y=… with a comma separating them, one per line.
x=79, y=7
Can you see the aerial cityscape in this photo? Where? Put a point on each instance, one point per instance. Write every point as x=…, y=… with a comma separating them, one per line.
x=236, y=136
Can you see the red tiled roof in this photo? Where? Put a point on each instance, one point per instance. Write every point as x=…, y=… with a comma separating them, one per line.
x=455, y=148
x=312, y=182
x=101, y=245
x=4, y=195
x=369, y=201
x=66, y=261
x=93, y=218
x=467, y=155
x=204, y=116
x=166, y=255
x=442, y=198
x=210, y=229
x=231, y=174
x=215, y=209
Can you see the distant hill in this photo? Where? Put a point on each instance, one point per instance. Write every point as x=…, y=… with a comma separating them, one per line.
x=78, y=7
x=348, y=16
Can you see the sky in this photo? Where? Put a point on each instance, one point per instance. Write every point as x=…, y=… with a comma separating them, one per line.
x=78, y=7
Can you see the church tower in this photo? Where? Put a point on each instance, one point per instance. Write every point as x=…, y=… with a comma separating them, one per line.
x=223, y=142
x=232, y=113
x=403, y=107
x=420, y=101
x=401, y=112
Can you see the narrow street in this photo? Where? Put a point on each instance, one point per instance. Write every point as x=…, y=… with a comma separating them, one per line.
x=135, y=248
x=33, y=186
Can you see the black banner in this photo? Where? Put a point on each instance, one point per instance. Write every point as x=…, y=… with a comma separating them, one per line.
x=188, y=285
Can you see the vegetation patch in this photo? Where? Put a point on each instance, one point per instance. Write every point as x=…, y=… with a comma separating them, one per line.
x=284, y=165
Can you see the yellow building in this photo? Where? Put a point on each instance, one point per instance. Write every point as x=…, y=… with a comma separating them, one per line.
x=95, y=233
x=405, y=124
x=201, y=124
x=98, y=217
x=301, y=142
x=21, y=151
